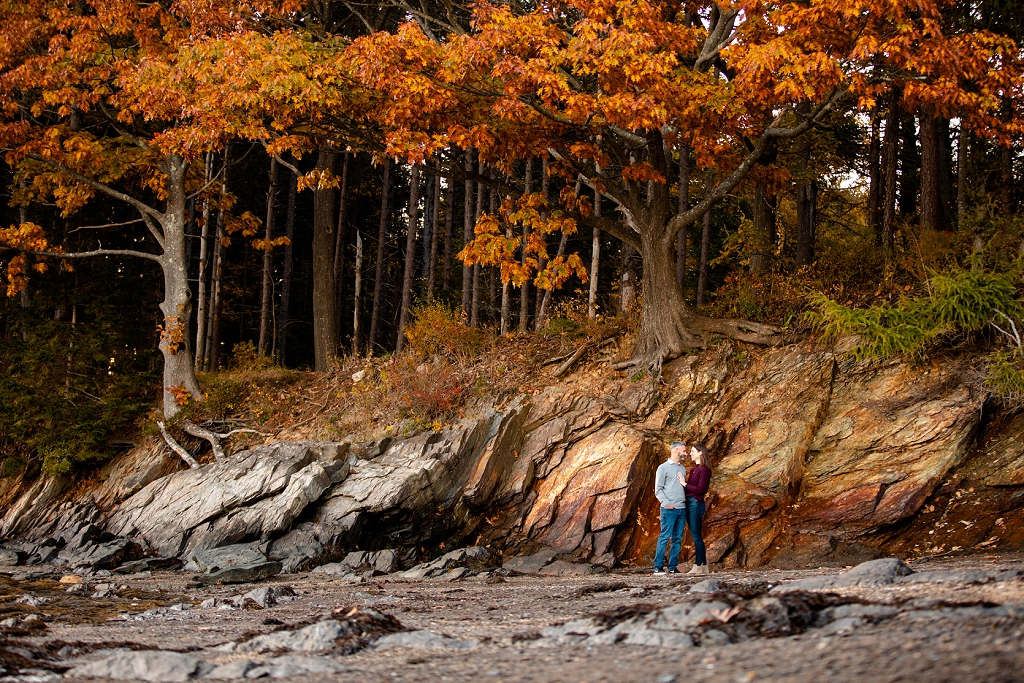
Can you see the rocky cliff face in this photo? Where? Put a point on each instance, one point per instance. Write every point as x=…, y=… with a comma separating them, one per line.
x=817, y=458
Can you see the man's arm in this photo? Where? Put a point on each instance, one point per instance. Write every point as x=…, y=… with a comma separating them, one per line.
x=659, y=486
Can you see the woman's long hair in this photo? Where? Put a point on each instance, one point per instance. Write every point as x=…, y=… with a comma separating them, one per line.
x=703, y=454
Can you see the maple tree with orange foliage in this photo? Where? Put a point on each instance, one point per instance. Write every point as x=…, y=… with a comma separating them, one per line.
x=120, y=101
x=610, y=90
x=93, y=104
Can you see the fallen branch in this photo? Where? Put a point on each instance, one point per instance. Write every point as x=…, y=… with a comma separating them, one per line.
x=579, y=352
x=243, y=431
x=556, y=359
x=1015, y=337
x=177, y=447
x=572, y=360
x=327, y=399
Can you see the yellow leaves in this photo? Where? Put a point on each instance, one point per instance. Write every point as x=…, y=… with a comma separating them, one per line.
x=270, y=245
x=642, y=172
x=247, y=224
x=560, y=269
x=26, y=237
x=318, y=180
x=16, y=278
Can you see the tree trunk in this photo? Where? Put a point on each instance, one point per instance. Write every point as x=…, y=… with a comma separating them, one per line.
x=562, y=241
x=684, y=203
x=807, y=210
x=339, y=245
x=467, y=237
x=947, y=191
x=266, y=299
x=325, y=333
x=890, y=161
x=179, y=378
x=875, y=180
x=664, y=328
x=806, y=196
x=434, y=238
x=449, y=220
x=378, y=280
x=492, y=272
x=668, y=327
x=910, y=167
x=705, y=254
x=286, y=271
x=204, y=250
x=357, y=297
x=764, y=227
x=474, y=308
x=1006, y=154
x=410, y=256
x=429, y=227
x=542, y=313
x=524, y=294
x=545, y=189
x=595, y=261
x=929, y=173
x=213, y=317
x=963, y=143
x=23, y=296
x=506, y=293
x=628, y=279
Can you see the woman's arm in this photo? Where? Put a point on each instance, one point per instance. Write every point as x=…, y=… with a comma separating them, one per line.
x=700, y=478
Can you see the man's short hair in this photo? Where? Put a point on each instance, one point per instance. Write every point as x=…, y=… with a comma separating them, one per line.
x=678, y=444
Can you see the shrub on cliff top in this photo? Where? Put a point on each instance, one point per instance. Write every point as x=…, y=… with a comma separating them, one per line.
x=438, y=330
x=959, y=303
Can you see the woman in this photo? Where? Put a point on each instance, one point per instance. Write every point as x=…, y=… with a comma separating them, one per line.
x=696, y=485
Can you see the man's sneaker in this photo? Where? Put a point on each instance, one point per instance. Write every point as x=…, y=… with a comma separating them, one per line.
x=673, y=570
x=658, y=571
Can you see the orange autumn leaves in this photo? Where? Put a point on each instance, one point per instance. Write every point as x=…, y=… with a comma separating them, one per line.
x=492, y=247
x=28, y=238
x=569, y=81
x=586, y=82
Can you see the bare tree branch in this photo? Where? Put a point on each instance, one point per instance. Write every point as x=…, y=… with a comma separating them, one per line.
x=100, y=187
x=717, y=39
x=107, y=225
x=135, y=140
x=101, y=252
x=154, y=231
x=677, y=222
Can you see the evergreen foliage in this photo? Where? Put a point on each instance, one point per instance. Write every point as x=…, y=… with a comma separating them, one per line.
x=960, y=302
x=68, y=389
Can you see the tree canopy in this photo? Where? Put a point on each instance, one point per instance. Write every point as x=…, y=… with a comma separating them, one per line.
x=714, y=150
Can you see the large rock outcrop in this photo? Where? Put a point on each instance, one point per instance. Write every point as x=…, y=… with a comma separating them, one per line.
x=817, y=458
x=252, y=493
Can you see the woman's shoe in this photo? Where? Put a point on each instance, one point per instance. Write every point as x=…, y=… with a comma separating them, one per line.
x=698, y=569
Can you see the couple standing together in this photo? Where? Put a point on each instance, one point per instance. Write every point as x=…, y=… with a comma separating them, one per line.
x=682, y=503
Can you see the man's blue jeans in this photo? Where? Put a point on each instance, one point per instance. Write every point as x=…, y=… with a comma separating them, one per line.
x=672, y=524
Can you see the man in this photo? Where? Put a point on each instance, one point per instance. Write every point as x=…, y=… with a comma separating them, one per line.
x=672, y=496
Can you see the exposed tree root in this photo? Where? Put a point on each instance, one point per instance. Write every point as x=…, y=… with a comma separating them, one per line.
x=741, y=330
x=576, y=355
x=177, y=447
x=214, y=439
x=671, y=336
